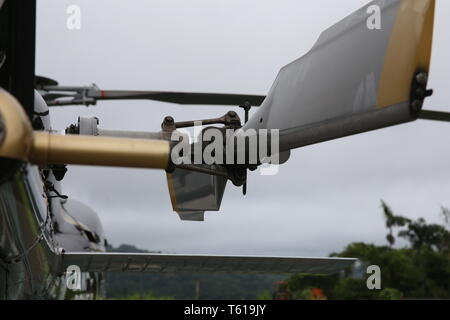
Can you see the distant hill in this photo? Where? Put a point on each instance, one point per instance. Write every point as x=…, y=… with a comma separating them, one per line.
x=183, y=285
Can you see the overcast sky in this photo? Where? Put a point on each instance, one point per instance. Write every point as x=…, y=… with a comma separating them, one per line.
x=326, y=196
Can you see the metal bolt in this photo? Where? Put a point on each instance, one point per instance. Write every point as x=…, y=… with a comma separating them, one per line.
x=416, y=105
x=422, y=78
x=168, y=120
x=241, y=174
x=420, y=93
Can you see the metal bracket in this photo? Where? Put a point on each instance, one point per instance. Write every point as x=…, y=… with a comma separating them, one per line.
x=237, y=174
x=419, y=92
x=247, y=106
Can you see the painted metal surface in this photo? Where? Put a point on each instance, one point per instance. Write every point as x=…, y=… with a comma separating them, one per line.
x=344, y=85
x=32, y=235
x=26, y=238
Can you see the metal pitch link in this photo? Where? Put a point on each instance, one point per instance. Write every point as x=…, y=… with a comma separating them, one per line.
x=247, y=106
x=231, y=119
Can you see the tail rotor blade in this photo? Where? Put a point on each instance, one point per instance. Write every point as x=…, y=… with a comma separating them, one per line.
x=356, y=78
x=56, y=95
x=182, y=97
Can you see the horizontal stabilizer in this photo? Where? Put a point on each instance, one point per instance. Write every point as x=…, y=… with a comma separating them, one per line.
x=149, y=262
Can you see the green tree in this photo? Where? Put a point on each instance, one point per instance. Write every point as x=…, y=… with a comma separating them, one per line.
x=429, y=236
x=420, y=270
x=392, y=221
